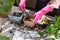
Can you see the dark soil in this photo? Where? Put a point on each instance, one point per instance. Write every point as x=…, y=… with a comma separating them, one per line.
x=28, y=18
x=17, y=14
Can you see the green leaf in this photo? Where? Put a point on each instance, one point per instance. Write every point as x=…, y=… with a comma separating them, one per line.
x=51, y=29
x=6, y=5
x=2, y=37
x=41, y=34
x=57, y=22
x=51, y=39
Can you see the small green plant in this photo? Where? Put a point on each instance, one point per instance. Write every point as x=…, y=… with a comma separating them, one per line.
x=2, y=37
x=54, y=28
x=51, y=39
x=41, y=34
x=5, y=6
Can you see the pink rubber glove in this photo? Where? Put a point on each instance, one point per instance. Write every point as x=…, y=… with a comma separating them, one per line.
x=41, y=13
x=22, y=5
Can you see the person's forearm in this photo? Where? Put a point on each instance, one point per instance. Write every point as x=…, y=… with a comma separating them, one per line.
x=54, y=3
x=45, y=10
x=51, y=2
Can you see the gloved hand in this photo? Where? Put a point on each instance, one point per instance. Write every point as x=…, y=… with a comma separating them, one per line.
x=38, y=15
x=22, y=5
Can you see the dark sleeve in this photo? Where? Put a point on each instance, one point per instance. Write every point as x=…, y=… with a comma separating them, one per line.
x=40, y=4
x=55, y=12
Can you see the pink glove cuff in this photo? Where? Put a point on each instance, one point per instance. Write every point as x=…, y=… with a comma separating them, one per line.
x=45, y=10
x=22, y=1
x=48, y=8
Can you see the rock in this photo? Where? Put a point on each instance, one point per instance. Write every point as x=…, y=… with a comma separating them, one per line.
x=29, y=39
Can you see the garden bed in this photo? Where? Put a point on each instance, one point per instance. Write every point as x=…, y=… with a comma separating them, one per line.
x=22, y=29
